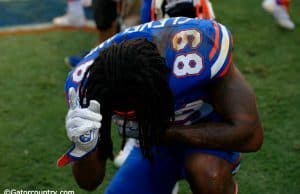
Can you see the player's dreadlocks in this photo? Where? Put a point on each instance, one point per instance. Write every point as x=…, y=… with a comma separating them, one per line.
x=132, y=76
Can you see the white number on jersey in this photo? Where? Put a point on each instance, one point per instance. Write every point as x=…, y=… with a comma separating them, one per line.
x=190, y=64
x=79, y=71
x=186, y=37
x=187, y=64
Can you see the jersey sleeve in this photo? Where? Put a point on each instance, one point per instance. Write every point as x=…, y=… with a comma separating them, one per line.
x=76, y=76
x=221, y=53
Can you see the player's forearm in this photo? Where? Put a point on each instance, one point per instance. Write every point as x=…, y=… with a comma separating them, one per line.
x=223, y=136
x=89, y=172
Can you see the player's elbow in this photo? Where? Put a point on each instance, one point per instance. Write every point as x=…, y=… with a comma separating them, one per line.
x=254, y=139
x=89, y=185
x=87, y=179
x=258, y=139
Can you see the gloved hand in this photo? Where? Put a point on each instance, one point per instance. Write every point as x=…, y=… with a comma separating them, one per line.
x=82, y=125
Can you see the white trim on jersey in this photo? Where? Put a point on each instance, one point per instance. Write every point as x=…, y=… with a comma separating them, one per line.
x=225, y=44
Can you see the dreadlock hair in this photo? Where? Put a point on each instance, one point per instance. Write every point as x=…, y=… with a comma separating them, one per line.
x=132, y=76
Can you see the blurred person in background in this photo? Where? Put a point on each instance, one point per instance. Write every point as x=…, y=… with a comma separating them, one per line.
x=110, y=16
x=280, y=11
x=74, y=16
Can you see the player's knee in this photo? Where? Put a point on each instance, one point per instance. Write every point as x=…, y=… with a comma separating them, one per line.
x=208, y=173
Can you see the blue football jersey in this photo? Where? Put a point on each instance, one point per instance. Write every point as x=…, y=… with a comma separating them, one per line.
x=196, y=51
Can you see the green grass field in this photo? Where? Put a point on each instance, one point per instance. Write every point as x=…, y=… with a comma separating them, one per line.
x=32, y=108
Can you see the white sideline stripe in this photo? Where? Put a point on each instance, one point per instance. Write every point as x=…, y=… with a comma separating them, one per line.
x=26, y=27
x=40, y=26
x=1, y=1
x=223, y=52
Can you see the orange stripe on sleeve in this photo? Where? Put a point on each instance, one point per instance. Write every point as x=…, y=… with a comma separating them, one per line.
x=216, y=41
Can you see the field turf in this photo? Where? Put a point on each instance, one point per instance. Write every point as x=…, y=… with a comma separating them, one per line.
x=32, y=108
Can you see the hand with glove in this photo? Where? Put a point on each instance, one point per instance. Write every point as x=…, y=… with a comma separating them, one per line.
x=82, y=125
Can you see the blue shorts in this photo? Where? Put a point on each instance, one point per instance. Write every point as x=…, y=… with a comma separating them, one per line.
x=138, y=175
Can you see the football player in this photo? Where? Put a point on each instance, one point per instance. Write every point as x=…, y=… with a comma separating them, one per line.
x=158, y=9
x=173, y=86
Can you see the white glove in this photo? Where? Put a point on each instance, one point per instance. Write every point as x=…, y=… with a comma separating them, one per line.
x=82, y=125
x=131, y=128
